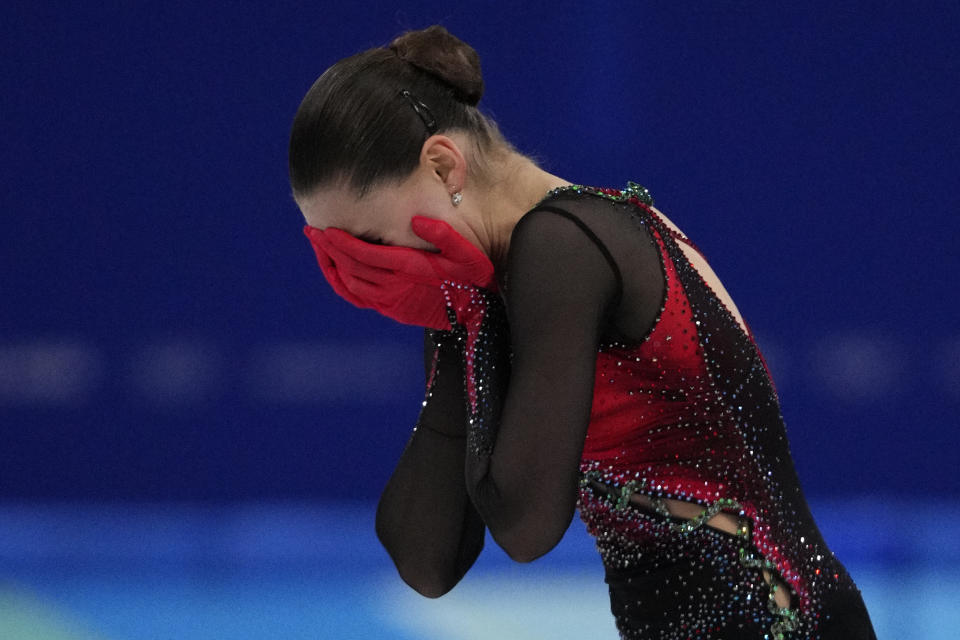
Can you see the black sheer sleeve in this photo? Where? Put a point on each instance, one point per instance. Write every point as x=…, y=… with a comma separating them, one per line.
x=502, y=448
x=565, y=289
x=425, y=519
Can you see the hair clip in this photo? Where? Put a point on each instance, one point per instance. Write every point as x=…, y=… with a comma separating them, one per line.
x=421, y=110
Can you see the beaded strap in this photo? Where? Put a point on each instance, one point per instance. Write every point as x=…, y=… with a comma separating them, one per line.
x=632, y=190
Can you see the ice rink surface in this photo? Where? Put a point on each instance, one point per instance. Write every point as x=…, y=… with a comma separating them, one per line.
x=292, y=571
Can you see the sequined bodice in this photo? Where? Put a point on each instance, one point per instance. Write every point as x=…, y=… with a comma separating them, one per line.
x=690, y=412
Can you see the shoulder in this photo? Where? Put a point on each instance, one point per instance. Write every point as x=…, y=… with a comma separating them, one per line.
x=554, y=253
x=556, y=231
x=579, y=227
x=547, y=227
x=566, y=205
x=559, y=222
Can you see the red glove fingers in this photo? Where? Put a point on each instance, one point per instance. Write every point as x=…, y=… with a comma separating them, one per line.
x=329, y=269
x=394, y=294
x=415, y=263
x=412, y=286
x=466, y=263
x=348, y=265
x=457, y=260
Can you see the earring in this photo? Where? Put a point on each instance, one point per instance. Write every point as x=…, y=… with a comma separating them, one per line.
x=456, y=198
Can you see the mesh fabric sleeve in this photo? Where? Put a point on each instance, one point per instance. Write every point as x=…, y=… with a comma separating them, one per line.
x=575, y=271
x=425, y=519
x=571, y=271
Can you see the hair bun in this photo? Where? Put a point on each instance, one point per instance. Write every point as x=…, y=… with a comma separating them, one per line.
x=443, y=55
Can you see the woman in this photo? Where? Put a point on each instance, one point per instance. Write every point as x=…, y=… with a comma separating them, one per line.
x=580, y=355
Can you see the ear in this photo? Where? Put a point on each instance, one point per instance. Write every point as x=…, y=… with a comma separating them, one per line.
x=444, y=159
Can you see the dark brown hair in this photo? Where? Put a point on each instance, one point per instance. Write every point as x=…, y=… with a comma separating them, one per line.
x=356, y=126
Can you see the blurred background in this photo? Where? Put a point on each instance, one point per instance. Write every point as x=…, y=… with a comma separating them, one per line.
x=194, y=429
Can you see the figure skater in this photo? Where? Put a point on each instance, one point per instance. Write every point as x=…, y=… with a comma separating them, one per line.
x=580, y=355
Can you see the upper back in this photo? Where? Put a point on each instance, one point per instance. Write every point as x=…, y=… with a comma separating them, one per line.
x=625, y=232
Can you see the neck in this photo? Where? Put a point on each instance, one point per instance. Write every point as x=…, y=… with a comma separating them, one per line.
x=520, y=185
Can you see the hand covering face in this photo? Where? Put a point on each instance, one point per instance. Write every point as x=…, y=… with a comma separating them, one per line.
x=412, y=286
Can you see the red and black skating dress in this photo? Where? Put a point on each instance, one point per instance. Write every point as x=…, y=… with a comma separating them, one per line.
x=615, y=369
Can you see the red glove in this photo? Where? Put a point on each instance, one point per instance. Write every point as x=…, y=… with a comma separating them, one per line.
x=329, y=269
x=412, y=286
x=450, y=290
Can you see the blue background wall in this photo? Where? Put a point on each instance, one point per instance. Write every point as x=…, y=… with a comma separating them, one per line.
x=165, y=332
x=193, y=427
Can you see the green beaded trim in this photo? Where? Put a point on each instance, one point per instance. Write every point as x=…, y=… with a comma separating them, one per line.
x=788, y=621
x=788, y=617
x=706, y=514
x=632, y=190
